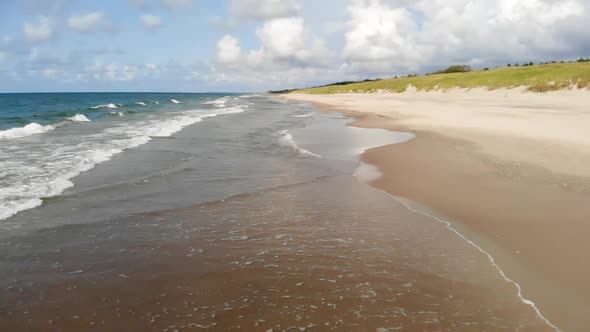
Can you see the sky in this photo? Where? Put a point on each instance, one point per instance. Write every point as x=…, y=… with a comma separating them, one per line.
x=256, y=45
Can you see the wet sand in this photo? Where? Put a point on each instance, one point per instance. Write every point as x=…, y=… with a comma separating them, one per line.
x=508, y=168
x=326, y=255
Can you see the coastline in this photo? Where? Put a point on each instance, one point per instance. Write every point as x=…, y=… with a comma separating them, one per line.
x=310, y=246
x=489, y=179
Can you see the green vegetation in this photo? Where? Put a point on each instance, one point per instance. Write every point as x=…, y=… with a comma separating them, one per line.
x=540, y=78
x=331, y=84
x=454, y=69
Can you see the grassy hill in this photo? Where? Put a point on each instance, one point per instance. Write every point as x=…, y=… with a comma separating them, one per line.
x=538, y=78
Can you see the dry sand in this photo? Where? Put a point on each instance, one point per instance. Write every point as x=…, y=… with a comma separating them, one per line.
x=509, y=168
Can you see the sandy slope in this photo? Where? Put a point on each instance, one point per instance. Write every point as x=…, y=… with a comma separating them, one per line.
x=511, y=169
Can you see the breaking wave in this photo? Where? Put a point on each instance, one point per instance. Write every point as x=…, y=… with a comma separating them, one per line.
x=286, y=140
x=30, y=178
x=79, y=118
x=28, y=130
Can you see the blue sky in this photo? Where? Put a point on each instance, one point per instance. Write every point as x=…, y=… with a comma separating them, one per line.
x=252, y=45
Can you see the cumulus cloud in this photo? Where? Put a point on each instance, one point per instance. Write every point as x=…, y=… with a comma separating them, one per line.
x=40, y=31
x=329, y=40
x=392, y=37
x=282, y=37
x=264, y=9
x=287, y=52
x=151, y=22
x=228, y=50
x=385, y=36
x=284, y=42
x=87, y=22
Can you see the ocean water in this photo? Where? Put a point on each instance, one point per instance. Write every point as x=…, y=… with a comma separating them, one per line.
x=47, y=139
x=222, y=212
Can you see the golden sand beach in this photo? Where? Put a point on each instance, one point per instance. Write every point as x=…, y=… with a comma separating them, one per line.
x=508, y=168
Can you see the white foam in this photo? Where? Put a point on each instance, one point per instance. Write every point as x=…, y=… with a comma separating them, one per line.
x=217, y=102
x=47, y=181
x=167, y=128
x=111, y=105
x=47, y=173
x=367, y=173
x=303, y=115
x=491, y=259
x=174, y=101
x=171, y=126
x=28, y=130
x=13, y=207
x=140, y=103
x=231, y=110
x=79, y=118
x=117, y=113
x=286, y=139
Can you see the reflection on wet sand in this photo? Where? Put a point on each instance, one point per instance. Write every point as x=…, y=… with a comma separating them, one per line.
x=331, y=254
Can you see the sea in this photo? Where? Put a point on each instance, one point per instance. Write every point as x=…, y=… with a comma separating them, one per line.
x=223, y=212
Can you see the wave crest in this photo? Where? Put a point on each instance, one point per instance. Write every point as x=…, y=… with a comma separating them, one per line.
x=286, y=140
x=28, y=130
x=50, y=176
x=110, y=105
x=79, y=118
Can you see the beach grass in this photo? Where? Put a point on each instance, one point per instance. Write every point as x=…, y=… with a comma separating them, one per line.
x=538, y=78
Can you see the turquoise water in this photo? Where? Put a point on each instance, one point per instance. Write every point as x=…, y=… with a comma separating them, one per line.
x=21, y=109
x=46, y=139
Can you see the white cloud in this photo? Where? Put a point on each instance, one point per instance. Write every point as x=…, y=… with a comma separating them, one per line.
x=228, y=50
x=282, y=37
x=301, y=42
x=42, y=31
x=385, y=36
x=112, y=72
x=177, y=4
x=264, y=9
x=151, y=22
x=88, y=22
x=284, y=42
x=287, y=53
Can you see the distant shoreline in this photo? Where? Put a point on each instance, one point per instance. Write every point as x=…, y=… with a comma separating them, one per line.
x=545, y=77
x=505, y=165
